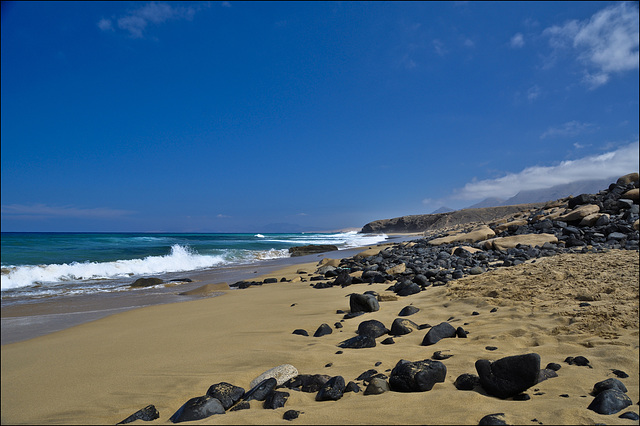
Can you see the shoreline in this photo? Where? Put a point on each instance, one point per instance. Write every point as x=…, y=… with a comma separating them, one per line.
x=40, y=317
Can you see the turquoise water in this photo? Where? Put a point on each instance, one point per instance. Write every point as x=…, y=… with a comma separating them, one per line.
x=50, y=264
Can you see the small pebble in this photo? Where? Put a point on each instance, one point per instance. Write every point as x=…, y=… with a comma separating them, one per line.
x=565, y=395
x=494, y=310
x=621, y=374
x=490, y=348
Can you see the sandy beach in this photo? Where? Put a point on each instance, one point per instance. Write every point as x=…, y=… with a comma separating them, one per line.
x=102, y=371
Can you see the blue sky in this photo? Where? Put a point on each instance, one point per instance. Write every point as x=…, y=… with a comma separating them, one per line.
x=233, y=116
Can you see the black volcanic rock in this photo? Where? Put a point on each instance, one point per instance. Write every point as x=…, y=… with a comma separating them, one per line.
x=146, y=414
x=372, y=328
x=509, y=376
x=198, y=408
x=226, y=393
x=438, y=332
x=610, y=401
x=332, y=390
x=418, y=376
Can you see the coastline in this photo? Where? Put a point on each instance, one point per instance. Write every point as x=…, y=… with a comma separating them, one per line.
x=43, y=316
x=102, y=371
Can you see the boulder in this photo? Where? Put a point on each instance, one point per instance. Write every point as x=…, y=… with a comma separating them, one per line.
x=402, y=326
x=307, y=382
x=226, y=393
x=260, y=391
x=466, y=381
x=408, y=310
x=438, y=332
x=504, y=226
x=281, y=374
x=632, y=194
x=311, y=249
x=509, y=376
x=332, y=390
x=146, y=282
x=323, y=330
x=275, y=399
x=610, y=383
x=479, y=234
x=512, y=241
x=358, y=342
x=398, y=269
x=579, y=213
x=418, y=376
x=197, y=408
x=376, y=386
x=610, y=401
x=146, y=414
x=372, y=328
x=629, y=178
x=363, y=303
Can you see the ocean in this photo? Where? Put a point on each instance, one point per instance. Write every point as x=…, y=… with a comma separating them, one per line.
x=45, y=265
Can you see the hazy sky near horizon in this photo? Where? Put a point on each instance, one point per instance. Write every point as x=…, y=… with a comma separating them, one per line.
x=234, y=116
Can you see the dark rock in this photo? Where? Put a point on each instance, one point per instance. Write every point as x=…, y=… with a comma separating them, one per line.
x=275, y=399
x=402, y=326
x=619, y=373
x=198, y=408
x=147, y=414
x=343, y=279
x=367, y=375
x=358, y=342
x=291, y=414
x=181, y=280
x=352, y=387
x=226, y=393
x=338, y=325
x=406, y=288
x=261, y=390
x=388, y=341
x=332, y=390
x=300, y=332
x=146, y=282
x=439, y=356
x=323, y=330
x=438, y=332
x=418, y=376
x=376, y=386
x=579, y=360
x=522, y=397
x=460, y=332
x=629, y=415
x=545, y=374
x=491, y=348
x=311, y=249
x=372, y=328
x=352, y=315
x=608, y=384
x=270, y=280
x=609, y=401
x=408, y=310
x=509, y=376
x=492, y=420
x=307, y=382
x=553, y=366
x=363, y=303
x=467, y=382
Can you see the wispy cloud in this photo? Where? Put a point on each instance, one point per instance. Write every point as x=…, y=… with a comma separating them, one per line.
x=136, y=21
x=533, y=92
x=605, y=44
x=41, y=211
x=517, y=41
x=610, y=164
x=568, y=129
x=439, y=47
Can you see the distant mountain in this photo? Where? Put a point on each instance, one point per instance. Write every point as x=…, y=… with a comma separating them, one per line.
x=548, y=194
x=442, y=209
x=488, y=202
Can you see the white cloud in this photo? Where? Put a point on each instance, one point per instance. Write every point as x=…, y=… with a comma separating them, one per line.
x=439, y=47
x=605, y=44
x=568, y=129
x=136, y=21
x=517, y=41
x=222, y=216
x=44, y=211
x=533, y=92
x=105, y=25
x=608, y=165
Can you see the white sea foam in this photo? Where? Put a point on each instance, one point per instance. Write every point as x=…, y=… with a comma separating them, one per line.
x=259, y=236
x=179, y=259
x=343, y=240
